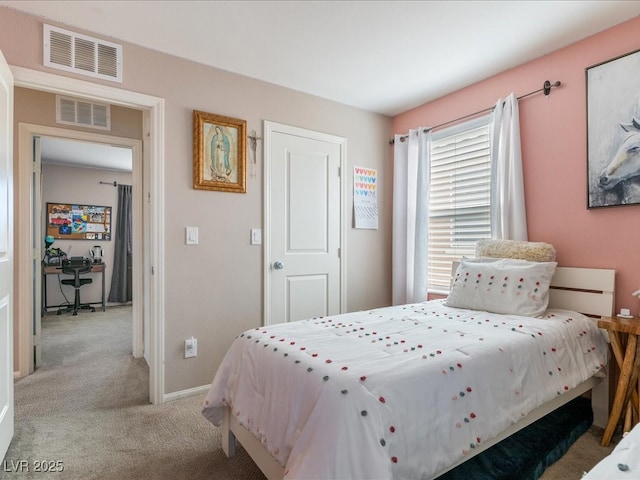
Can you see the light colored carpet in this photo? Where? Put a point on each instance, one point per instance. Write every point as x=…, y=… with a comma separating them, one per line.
x=87, y=407
x=581, y=457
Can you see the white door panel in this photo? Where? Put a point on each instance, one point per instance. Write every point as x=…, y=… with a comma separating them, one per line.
x=6, y=256
x=311, y=288
x=6, y=377
x=303, y=224
x=307, y=202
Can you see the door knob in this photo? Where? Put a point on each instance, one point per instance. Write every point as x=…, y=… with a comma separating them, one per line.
x=278, y=265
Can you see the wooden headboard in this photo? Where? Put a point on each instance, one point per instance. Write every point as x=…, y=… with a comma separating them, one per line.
x=590, y=291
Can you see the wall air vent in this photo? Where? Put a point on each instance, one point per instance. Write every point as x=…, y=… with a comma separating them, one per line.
x=82, y=113
x=73, y=52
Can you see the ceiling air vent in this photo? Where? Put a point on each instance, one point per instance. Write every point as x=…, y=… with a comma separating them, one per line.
x=74, y=111
x=73, y=52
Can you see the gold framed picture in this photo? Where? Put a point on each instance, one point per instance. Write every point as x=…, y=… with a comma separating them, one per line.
x=219, y=153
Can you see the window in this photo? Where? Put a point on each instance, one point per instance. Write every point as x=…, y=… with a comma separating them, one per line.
x=459, y=197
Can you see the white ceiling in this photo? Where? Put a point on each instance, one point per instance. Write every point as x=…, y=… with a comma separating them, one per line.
x=381, y=56
x=74, y=153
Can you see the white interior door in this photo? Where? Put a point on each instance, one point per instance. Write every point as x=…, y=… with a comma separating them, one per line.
x=303, y=224
x=6, y=256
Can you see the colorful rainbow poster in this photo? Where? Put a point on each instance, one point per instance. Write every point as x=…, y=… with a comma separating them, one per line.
x=365, y=203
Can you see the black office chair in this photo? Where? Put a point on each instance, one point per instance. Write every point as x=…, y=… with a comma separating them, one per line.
x=76, y=268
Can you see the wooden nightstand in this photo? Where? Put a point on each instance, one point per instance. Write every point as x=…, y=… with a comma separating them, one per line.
x=623, y=330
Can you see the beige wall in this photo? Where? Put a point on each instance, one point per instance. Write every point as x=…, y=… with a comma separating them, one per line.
x=33, y=106
x=62, y=184
x=214, y=291
x=39, y=108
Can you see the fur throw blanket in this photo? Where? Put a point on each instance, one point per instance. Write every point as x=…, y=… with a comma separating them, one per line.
x=532, y=251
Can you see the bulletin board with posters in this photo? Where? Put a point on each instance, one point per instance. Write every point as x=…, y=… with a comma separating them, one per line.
x=78, y=222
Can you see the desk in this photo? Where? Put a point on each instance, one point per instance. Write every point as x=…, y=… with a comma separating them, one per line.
x=628, y=360
x=57, y=270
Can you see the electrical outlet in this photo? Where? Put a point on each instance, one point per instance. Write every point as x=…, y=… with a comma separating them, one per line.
x=190, y=347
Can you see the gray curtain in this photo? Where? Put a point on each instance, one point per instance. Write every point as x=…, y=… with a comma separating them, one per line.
x=121, y=278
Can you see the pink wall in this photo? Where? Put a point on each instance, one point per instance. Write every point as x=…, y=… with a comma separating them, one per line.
x=554, y=150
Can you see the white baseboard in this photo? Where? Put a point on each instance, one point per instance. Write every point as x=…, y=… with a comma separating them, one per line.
x=16, y=374
x=202, y=390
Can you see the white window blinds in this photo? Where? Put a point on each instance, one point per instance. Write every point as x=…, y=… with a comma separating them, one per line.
x=459, y=197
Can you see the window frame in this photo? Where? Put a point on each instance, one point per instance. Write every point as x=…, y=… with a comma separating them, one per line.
x=483, y=121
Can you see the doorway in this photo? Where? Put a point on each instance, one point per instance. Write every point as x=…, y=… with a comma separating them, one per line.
x=153, y=213
x=75, y=170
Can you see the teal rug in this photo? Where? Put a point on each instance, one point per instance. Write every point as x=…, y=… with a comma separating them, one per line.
x=526, y=454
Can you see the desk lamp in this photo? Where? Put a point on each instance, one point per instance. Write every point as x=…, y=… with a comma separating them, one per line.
x=48, y=241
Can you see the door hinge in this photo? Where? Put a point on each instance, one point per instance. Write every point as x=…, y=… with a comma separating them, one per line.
x=339, y=171
x=153, y=270
x=148, y=197
x=339, y=253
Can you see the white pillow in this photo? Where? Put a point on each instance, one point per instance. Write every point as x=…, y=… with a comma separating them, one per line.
x=508, y=286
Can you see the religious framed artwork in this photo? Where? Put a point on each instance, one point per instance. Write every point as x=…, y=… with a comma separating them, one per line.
x=219, y=153
x=613, y=132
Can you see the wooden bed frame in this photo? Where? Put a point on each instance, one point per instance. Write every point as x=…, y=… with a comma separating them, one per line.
x=585, y=290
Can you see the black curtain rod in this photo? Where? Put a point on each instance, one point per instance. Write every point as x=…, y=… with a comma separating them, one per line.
x=115, y=184
x=546, y=89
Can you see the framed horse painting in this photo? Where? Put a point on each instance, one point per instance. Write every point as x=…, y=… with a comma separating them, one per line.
x=219, y=158
x=613, y=132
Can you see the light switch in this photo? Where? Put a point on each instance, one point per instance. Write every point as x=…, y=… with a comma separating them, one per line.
x=191, y=235
x=256, y=236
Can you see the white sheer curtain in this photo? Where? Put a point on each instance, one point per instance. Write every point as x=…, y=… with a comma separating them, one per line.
x=508, y=215
x=410, y=216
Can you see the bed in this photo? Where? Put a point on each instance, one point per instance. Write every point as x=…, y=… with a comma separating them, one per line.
x=412, y=391
x=623, y=462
